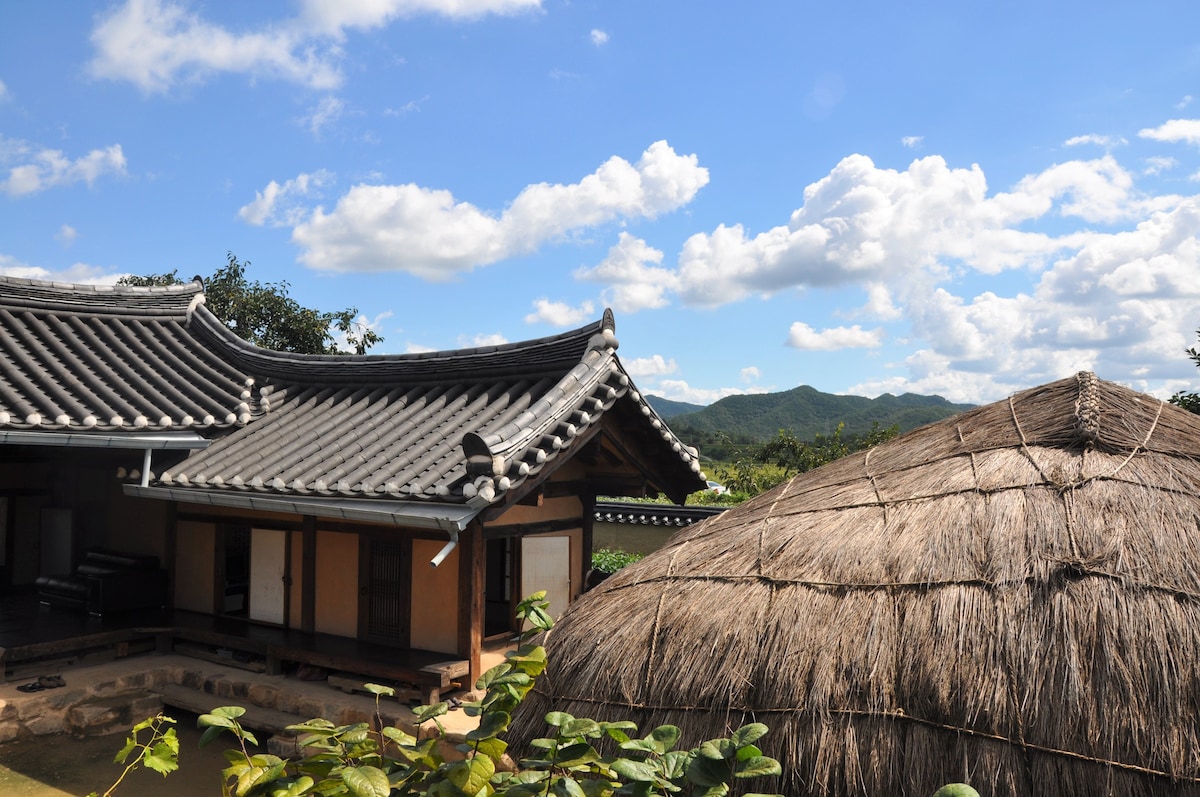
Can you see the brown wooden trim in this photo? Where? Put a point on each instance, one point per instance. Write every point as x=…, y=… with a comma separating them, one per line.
x=471, y=580
x=220, y=531
x=170, y=549
x=589, y=519
x=539, y=527
x=364, y=585
x=308, y=575
x=324, y=524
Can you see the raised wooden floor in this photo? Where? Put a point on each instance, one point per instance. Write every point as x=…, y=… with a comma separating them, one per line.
x=34, y=636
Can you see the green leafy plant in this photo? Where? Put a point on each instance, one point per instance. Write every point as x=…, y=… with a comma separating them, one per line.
x=579, y=757
x=159, y=752
x=610, y=560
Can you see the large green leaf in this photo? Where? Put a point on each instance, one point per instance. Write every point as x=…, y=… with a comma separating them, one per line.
x=634, y=770
x=491, y=724
x=749, y=734
x=663, y=738
x=758, y=767
x=473, y=774
x=704, y=771
x=300, y=786
x=366, y=781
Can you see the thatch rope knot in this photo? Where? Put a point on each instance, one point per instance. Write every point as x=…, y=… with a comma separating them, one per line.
x=1087, y=408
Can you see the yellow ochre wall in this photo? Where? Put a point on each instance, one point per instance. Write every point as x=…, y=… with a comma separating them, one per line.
x=194, y=566
x=434, y=598
x=337, y=584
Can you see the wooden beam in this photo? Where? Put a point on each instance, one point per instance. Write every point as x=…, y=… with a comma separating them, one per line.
x=589, y=517
x=525, y=529
x=308, y=575
x=472, y=565
x=170, y=544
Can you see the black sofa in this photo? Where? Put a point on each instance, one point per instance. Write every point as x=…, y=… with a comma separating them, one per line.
x=107, y=581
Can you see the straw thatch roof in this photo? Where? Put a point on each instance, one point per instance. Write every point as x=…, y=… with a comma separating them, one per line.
x=1009, y=597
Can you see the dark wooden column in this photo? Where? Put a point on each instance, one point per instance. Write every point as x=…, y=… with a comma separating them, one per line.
x=471, y=582
x=170, y=544
x=589, y=519
x=308, y=575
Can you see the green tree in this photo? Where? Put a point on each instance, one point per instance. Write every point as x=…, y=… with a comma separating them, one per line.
x=799, y=456
x=264, y=314
x=1189, y=401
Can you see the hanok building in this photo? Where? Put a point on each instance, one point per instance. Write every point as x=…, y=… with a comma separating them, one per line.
x=312, y=493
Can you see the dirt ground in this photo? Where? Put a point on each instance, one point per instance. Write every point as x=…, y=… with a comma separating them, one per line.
x=58, y=766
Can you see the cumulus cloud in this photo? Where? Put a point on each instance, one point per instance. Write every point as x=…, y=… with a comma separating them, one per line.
x=279, y=205
x=636, y=281
x=155, y=44
x=66, y=235
x=802, y=336
x=1174, y=131
x=32, y=169
x=749, y=374
x=323, y=114
x=1113, y=272
x=912, y=142
x=1094, y=139
x=653, y=366
x=484, y=339
x=560, y=314
x=679, y=390
x=78, y=272
x=599, y=37
x=428, y=233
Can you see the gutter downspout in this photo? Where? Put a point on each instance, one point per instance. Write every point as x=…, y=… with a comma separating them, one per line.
x=146, y=468
x=446, y=549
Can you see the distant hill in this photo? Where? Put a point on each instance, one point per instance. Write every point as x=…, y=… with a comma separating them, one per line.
x=668, y=409
x=805, y=411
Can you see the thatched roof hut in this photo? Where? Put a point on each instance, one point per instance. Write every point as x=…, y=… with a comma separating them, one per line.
x=1009, y=597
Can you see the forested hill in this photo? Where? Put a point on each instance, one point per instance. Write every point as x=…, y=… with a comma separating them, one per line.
x=805, y=411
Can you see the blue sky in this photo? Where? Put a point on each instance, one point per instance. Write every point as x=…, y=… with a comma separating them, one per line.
x=957, y=198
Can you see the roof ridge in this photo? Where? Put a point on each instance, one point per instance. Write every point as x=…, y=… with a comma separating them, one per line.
x=127, y=300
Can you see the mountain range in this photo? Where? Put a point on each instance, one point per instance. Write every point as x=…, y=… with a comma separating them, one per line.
x=805, y=411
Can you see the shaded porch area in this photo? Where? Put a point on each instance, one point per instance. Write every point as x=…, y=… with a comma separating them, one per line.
x=35, y=639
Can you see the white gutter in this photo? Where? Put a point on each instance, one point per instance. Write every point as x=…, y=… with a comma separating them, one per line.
x=450, y=518
x=166, y=440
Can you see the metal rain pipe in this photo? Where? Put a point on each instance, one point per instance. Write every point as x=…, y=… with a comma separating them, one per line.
x=446, y=549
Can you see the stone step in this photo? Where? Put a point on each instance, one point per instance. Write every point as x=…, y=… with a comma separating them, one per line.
x=267, y=720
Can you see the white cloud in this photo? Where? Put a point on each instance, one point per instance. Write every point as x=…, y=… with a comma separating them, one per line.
x=427, y=232
x=1184, y=102
x=802, y=336
x=599, y=37
x=1174, y=131
x=155, y=44
x=77, y=272
x=484, y=339
x=278, y=205
x=1094, y=139
x=32, y=169
x=66, y=235
x=653, y=366
x=324, y=113
x=1158, y=165
x=679, y=390
x=560, y=314
x=749, y=374
x=912, y=142
x=4, y=93
x=633, y=275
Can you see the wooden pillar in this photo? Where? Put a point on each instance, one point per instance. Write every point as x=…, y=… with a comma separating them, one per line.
x=471, y=583
x=308, y=575
x=588, y=522
x=170, y=546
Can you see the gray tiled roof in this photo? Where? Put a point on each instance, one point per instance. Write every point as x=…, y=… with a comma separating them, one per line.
x=456, y=426
x=96, y=359
x=464, y=426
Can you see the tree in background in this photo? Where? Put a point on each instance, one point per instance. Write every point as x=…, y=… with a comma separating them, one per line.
x=1189, y=401
x=264, y=314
